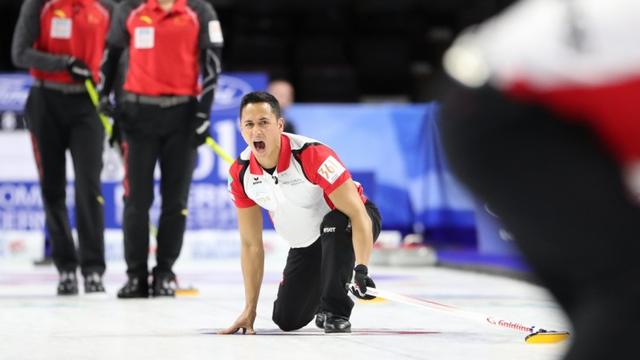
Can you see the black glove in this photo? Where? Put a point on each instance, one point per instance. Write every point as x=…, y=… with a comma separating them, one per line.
x=105, y=107
x=360, y=282
x=201, y=128
x=78, y=69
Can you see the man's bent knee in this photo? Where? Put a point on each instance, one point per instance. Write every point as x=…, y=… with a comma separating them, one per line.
x=287, y=324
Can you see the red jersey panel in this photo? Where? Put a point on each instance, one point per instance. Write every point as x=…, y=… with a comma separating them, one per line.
x=612, y=110
x=578, y=58
x=163, y=50
x=76, y=28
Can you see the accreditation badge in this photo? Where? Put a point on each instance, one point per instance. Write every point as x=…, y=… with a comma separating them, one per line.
x=144, y=37
x=61, y=28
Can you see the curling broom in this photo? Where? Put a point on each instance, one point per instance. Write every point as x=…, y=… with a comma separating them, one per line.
x=536, y=335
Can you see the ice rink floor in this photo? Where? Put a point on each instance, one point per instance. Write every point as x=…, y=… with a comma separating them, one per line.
x=37, y=324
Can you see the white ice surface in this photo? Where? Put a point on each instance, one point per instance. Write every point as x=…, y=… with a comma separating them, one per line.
x=37, y=324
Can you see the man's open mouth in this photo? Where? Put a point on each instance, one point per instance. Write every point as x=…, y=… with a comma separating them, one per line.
x=259, y=145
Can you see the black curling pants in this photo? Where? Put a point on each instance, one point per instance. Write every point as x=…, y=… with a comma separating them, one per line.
x=315, y=277
x=558, y=190
x=59, y=122
x=163, y=135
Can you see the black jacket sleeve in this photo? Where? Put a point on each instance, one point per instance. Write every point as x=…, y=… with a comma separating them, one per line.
x=25, y=35
x=210, y=43
x=109, y=69
x=211, y=68
x=117, y=41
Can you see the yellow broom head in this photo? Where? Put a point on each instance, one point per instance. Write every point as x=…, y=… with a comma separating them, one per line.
x=546, y=337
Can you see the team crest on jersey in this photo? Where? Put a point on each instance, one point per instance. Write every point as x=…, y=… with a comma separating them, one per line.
x=92, y=19
x=180, y=20
x=331, y=169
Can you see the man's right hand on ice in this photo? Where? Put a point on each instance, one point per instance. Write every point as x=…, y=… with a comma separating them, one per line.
x=244, y=321
x=78, y=69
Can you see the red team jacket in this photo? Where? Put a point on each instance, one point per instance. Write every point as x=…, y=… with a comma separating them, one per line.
x=72, y=27
x=164, y=48
x=296, y=194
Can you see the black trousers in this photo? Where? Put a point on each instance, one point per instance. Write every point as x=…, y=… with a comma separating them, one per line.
x=315, y=277
x=164, y=135
x=557, y=189
x=58, y=122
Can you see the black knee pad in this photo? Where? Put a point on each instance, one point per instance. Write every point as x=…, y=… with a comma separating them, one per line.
x=335, y=222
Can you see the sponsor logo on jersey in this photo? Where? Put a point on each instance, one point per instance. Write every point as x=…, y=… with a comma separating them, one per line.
x=292, y=182
x=331, y=169
x=146, y=19
x=180, y=20
x=93, y=19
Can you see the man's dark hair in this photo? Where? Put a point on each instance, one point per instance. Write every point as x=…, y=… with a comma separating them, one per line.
x=261, y=97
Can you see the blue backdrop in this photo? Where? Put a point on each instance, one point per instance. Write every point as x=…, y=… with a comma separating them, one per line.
x=393, y=149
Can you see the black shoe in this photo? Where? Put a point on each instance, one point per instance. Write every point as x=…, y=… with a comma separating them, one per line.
x=45, y=261
x=134, y=288
x=336, y=324
x=93, y=283
x=68, y=284
x=164, y=285
x=320, y=317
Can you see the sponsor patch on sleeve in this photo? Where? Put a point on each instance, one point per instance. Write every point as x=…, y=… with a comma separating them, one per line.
x=215, y=32
x=331, y=169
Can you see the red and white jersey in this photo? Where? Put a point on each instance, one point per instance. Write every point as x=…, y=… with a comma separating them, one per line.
x=580, y=58
x=296, y=194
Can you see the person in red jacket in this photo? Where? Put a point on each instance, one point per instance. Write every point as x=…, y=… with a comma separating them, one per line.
x=163, y=114
x=542, y=122
x=62, y=42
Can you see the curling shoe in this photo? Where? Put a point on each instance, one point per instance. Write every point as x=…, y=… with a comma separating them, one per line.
x=334, y=324
x=320, y=318
x=68, y=284
x=93, y=283
x=163, y=285
x=134, y=288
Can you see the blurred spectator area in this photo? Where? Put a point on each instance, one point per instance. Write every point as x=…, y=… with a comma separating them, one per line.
x=333, y=50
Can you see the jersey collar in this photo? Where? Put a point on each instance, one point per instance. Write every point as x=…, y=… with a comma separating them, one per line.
x=284, y=157
x=83, y=2
x=178, y=5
